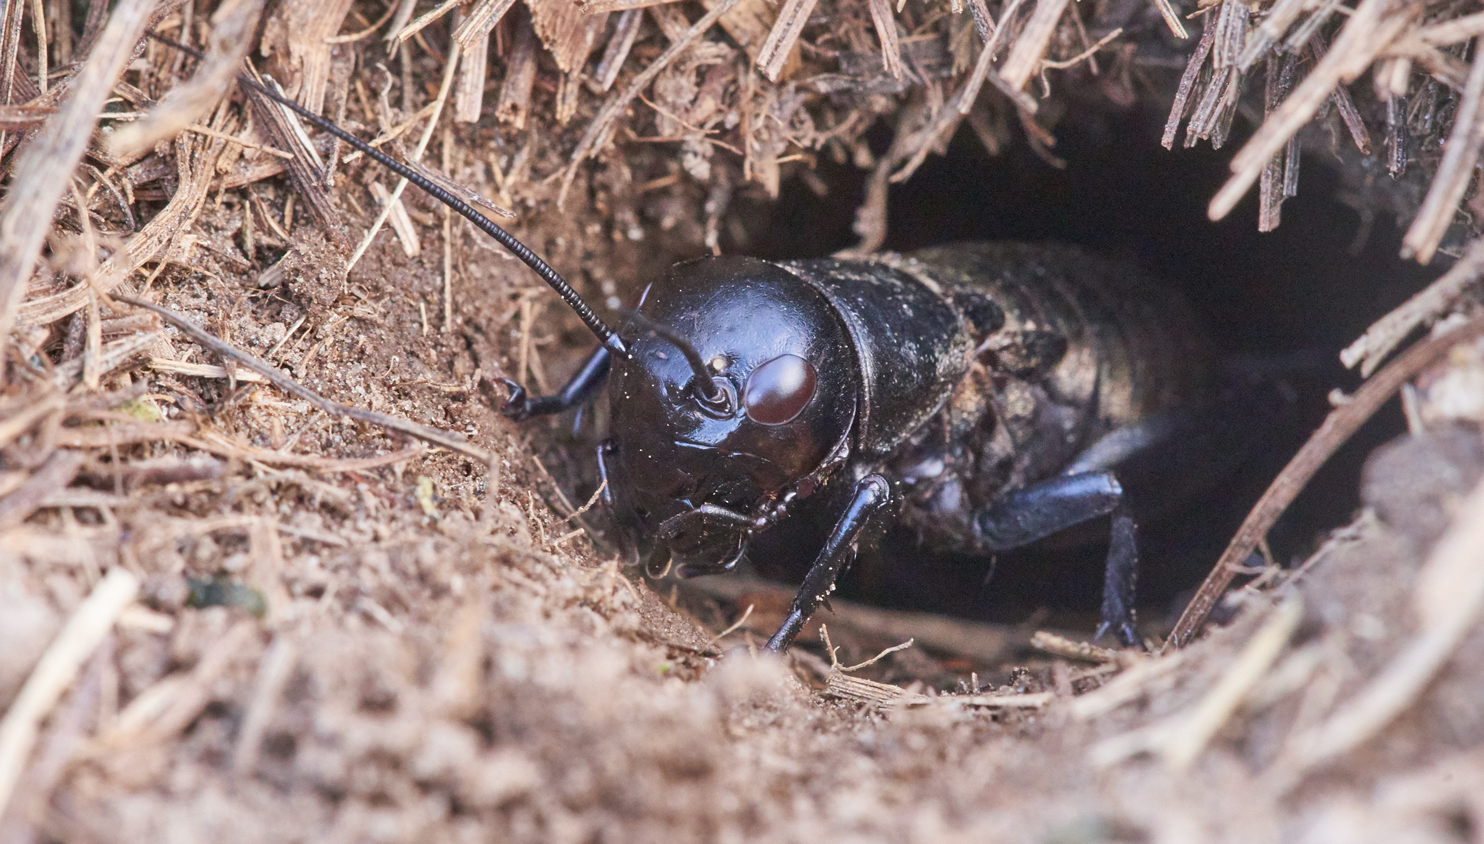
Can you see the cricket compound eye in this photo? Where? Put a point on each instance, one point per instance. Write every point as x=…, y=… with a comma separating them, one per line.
x=777, y=391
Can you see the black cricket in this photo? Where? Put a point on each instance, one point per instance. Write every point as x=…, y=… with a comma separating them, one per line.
x=989, y=395
x=986, y=392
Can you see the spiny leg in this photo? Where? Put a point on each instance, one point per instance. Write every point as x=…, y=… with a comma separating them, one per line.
x=871, y=494
x=1120, y=577
x=1026, y=515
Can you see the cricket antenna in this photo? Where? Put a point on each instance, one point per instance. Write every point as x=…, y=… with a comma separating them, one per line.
x=607, y=336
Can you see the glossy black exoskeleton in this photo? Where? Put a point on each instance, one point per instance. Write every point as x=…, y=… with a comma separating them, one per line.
x=990, y=394
x=986, y=392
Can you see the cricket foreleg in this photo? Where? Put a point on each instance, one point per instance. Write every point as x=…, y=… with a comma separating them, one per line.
x=871, y=494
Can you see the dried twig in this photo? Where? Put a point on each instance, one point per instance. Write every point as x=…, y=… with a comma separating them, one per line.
x=44, y=168
x=274, y=671
x=10, y=44
x=446, y=150
x=460, y=191
x=861, y=690
x=1181, y=737
x=1280, y=176
x=122, y=433
x=1233, y=21
x=20, y=419
x=1030, y=47
x=824, y=633
x=1064, y=647
x=67, y=726
x=1141, y=678
x=1212, y=115
x=134, y=474
x=468, y=97
x=1181, y=106
x=1341, y=423
x=962, y=103
x=309, y=27
x=783, y=36
x=1299, y=38
x=1371, y=27
x=110, y=358
x=1455, y=172
x=55, y=474
x=89, y=623
x=602, y=125
x=886, y=31
x=1171, y=18
x=592, y=501
x=617, y=50
x=986, y=643
x=166, y=708
x=1432, y=302
x=901, y=646
x=24, y=116
x=596, y=7
x=1448, y=600
x=92, y=26
x=520, y=77
x=305, y=461
x=734, y=626
x=446, y=439
x=401, y=222
x=422, y=145
x=401, y=35
x=1190, y=735
x=1350, y=116
x=749, y=24
x=480, y=22
x=1086, y=54
x=306, y=170
x=1451, y=32
x=567, y=31
x=1260, y=42
x=352, y=37
x=202, y=370
x=38, y=26
x=231, y=35
x=242, y=142
x=472, y=35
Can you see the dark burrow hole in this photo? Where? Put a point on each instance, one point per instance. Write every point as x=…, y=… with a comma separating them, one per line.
x=1311, y=286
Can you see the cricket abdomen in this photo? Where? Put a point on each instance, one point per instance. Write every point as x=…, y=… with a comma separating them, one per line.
x=1068, y=348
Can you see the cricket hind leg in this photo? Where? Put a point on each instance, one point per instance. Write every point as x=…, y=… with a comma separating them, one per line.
x=1027, y=515
x=1120, y=580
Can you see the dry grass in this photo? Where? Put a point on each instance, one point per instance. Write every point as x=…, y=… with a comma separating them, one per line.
x=273, y=569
